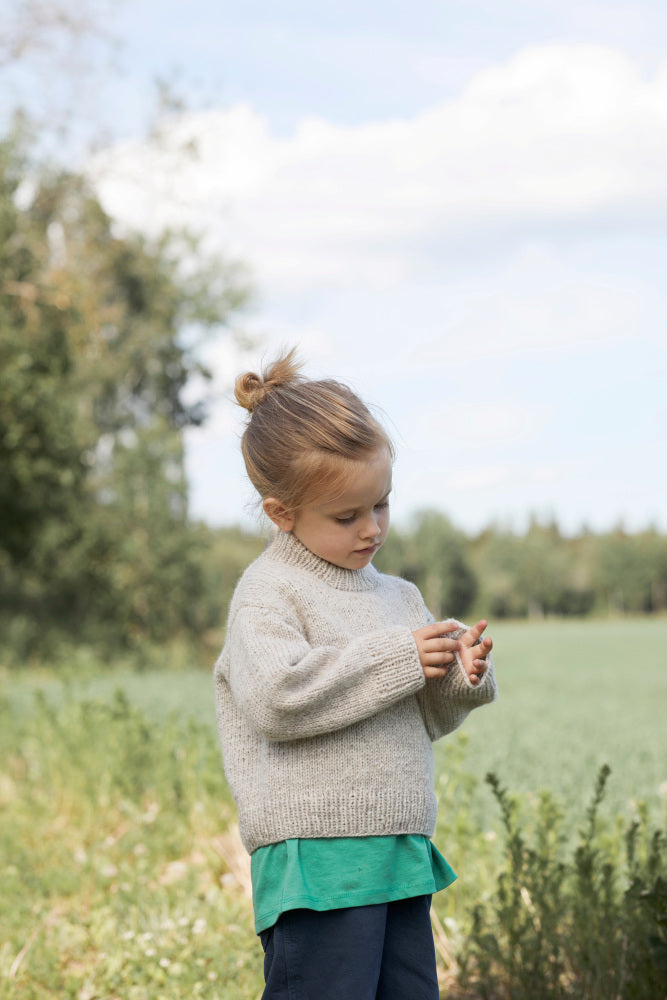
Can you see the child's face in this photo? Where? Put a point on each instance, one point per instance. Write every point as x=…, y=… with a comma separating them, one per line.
x=348, y=530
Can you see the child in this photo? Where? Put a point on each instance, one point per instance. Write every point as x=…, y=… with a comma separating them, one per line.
x=332, y=684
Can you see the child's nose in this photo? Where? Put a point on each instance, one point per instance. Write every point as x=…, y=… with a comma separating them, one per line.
x=370, y=527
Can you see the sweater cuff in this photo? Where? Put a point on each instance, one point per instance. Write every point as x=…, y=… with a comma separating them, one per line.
x=474, y=694
x=395, y=664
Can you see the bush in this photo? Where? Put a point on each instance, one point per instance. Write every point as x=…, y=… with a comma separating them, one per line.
x=591, y=927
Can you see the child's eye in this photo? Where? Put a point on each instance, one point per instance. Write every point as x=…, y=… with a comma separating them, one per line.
x=382, y=506
x=345, y=520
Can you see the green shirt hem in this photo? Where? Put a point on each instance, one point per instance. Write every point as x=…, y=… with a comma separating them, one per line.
x=329, y=874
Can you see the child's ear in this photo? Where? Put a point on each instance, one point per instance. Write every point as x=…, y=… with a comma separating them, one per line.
x=277, y=512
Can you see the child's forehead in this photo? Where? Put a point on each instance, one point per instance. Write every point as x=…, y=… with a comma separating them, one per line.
x=369, y=481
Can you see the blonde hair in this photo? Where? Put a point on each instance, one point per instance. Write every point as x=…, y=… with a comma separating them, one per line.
x=303, y=435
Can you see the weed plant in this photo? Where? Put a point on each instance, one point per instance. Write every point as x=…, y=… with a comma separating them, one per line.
x=586, y=925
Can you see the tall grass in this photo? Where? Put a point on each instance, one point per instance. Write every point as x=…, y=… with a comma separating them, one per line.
x=123, y=875
x=120, y=873
x=123, y=878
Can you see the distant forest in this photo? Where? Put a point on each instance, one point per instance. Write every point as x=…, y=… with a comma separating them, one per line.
x=501, y=574
x=496, y=573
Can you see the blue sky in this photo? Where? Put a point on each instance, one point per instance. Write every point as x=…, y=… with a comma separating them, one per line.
x=459, y=208
x=354, y=62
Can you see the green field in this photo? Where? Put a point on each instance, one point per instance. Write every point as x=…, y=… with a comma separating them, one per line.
x=573, y=695
x=121, y=871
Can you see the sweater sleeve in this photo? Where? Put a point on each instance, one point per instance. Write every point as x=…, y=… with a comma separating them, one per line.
x=446, y=703
x=289, y=689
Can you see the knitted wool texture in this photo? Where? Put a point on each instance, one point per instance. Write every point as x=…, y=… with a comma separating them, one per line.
x=324, y=714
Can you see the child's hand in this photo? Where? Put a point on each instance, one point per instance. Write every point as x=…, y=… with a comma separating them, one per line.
x=473, y=657
x=435, y=650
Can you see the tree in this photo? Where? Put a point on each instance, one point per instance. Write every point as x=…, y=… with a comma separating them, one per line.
x=55, y=58
x=433, y=555
x=537, y=573
x=42, y=444
x=632, y=571
x=99, y=337
x=99, y=354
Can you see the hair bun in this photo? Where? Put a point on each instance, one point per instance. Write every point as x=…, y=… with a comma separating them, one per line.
x=252, y=389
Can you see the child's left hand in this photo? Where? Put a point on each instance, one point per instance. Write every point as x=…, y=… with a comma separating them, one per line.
x=473, y=656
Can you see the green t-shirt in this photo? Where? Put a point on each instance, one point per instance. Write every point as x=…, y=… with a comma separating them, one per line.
x=326, y=874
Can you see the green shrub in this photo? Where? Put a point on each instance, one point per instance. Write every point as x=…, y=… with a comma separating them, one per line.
x=589, y=927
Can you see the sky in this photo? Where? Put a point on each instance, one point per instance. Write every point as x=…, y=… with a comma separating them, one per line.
x=459, y=208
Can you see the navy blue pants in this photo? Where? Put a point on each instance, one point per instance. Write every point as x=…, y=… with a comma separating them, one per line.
x=380, y=952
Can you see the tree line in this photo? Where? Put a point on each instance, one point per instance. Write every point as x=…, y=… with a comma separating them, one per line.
x=502, y=573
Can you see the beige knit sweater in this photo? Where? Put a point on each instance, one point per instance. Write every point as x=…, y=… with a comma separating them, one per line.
x=324, y=713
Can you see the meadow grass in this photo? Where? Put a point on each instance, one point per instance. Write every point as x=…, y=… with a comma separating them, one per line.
x=575, y=695
x=122, y=873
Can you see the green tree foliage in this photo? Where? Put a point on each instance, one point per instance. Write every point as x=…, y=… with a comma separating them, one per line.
x=506, y=574
x=542, y=572
x=98, y=341
x=432, y=553
x=41, y=448
x=534, y=574
x=225, y=553
x=631, y=571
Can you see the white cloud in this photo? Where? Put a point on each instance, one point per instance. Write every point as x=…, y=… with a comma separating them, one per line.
x=537, y=302
x=479, y=478
x=487, y=272
x=558, y=134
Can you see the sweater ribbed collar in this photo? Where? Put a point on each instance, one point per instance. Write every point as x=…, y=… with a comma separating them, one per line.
x=286, y=548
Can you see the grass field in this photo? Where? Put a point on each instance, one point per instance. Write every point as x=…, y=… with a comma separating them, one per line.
x=573, y=695
x=122, y=874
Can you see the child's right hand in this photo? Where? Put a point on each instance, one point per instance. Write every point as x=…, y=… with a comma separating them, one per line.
x=436, y=651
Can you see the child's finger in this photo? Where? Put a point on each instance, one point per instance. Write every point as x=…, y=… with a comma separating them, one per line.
x=435, y=630
x=441, y=628
x=441, y=643
x=434, y=659
x=473, y=633
x=435, y=673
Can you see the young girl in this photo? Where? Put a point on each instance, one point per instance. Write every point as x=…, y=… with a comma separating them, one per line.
x=333, y=682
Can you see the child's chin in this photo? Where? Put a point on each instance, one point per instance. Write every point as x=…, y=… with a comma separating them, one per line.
x=364, y=558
